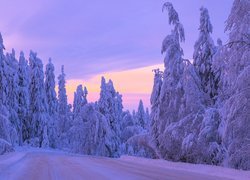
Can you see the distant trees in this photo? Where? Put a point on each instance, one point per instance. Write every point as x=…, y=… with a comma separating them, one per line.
x=80, y=99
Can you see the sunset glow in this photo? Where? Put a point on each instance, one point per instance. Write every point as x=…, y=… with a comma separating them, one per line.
x=133, y=84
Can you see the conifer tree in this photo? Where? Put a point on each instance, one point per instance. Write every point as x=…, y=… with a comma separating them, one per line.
x=204, y=50
x=141, y=116
x=24, y=96
x=110, y=105
x=38, y=101
x=80, y=99
x=12, y=88
x=52, y=103
x=63, y=106
x=4, y=114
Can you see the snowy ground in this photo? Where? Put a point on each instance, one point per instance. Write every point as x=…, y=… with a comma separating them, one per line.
x=41, y=164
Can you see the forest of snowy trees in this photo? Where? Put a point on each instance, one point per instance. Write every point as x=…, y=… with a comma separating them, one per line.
x=199, y=109
x=32, y=114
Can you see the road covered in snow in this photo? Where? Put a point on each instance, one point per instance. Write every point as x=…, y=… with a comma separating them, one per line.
x=43, y=164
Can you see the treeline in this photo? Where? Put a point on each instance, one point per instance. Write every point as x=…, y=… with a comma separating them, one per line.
x=33, y=114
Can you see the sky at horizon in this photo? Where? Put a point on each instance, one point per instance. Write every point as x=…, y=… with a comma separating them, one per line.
x=120, y=40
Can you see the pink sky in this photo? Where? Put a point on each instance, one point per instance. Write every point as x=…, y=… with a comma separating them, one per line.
x=133, y=84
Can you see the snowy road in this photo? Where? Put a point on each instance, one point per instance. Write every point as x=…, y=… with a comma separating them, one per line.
x=57, y=165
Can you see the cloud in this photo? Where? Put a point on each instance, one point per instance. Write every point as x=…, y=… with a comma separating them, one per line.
x=93, y=37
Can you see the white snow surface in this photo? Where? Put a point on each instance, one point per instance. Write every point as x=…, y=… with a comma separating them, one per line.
x=50, y=164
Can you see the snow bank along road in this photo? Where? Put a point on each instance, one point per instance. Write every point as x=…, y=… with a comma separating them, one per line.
x=48, y=165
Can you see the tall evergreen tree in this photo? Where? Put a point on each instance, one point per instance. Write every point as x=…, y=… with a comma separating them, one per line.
x=11, y=74
x=63, y=107
x=52, y=103
x=179, y=99
x=110, y=105
x=4, y=114
x=204, y=50
x=141, y=116
x=2, y=78
x=233, y=62
x=50, y=88
x=38, y=101
x=24, y=96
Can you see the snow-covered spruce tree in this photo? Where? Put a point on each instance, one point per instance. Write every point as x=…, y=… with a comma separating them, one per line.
x=147, y=116
x=4, y=123
x=154, y=101
x=166, y=103
x=233, y=61
x=12, y=88
x=110, y=105
x=91, y=133
x=24, y=96
x=63, y=106
x=141, y=116
x=52, y=103
x=135, y=138
x=80, y=99
x=204, y=50
x=38, y=103
x=64, y=110
x=3, y=82
x=4, y=114
x=128, y=127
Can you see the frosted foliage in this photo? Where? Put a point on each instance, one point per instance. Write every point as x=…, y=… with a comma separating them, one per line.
x=4, y=123
x=63, y=107
x=238, y=22
x=91, y=134
x=135, y=127
x=38, y=101
x=180, y=123
x=139, y=145
x=5, y=147
x=52, y=105
x=50, y=88
x=3, y=82
x=127, y=120
x=204, y=50
x=62, y=96
x=141, y=116
x=154, y=99
x=11, y=75
x=80, y=99
x=1, y=44
x=110, y=105
x=232, y=63
x=201, y=112
x=171, y=44
x=129, y=127
x=24, y=96
x=174, y=20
